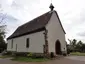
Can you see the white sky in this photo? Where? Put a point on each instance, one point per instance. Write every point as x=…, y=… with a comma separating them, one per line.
x=71, y=13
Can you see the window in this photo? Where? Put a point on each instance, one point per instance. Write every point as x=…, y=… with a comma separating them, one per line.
x=16, y=47
x=27, y=43
x=12, y=44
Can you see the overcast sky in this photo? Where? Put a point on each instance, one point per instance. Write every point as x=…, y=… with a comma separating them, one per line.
x=71, y=13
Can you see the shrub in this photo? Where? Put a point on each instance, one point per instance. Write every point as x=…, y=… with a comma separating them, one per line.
x=6, y=53
x=37, y=55
x=21, y=54
x=30, y=54
x=52, y=55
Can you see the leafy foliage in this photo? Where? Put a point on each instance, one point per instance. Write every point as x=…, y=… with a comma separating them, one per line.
x=2, y=34
x=75, y=46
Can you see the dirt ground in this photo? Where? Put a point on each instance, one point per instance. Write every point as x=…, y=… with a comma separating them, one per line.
x=65, y=60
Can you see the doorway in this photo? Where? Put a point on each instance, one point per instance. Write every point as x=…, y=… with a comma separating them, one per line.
x=58, y=47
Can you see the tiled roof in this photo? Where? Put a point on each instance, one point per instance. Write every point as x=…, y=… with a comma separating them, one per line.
x=34, y=25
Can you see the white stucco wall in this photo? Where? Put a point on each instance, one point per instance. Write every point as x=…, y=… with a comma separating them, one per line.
x=9, y=45
x=36, y=42
x=55, y=32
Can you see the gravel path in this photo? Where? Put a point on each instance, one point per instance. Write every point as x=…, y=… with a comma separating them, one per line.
x=80, y=58
x=6, y=61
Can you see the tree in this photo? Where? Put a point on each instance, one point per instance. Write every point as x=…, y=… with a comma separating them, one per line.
x=72, y=44
x=80, y=46
x=3, y=45
x=75, y=46
x=83, y=48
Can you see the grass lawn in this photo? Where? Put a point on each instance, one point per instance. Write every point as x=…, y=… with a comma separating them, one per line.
x=77, y=54
x=5, y=56
x=26, y=59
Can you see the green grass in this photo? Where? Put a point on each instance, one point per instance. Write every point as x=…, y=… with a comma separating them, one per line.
x=26, y=59
x=77, y=54
x=5, y=56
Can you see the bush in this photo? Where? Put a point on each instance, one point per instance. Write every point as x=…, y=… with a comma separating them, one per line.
x=68, y=51
x=30, y=54
x=38, y=56
x=64, y=54
x=35, y=55
x=20, y=54
x=52, y=55
x=6, y=53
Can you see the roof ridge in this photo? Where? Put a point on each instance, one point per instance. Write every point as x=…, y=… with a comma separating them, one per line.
x=33, y=25
x=35, y=18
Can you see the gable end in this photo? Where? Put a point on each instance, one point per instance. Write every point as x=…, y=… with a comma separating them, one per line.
x=60, y=22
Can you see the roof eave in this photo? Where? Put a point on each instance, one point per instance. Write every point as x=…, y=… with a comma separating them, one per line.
x=38, y=30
